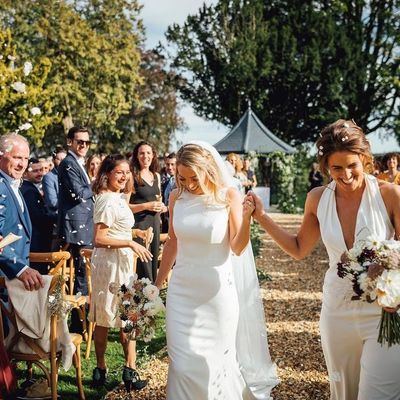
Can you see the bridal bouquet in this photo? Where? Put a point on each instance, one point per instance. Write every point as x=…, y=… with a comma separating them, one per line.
x=374, y=269
x=138, y=304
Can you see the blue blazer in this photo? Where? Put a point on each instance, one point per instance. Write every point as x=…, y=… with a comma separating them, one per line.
x=16, y=255
x=50, y=190
x=42, y=219
x=75, y=203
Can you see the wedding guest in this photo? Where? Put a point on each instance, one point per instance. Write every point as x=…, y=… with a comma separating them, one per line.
x=377, y=167
x=240, y=175
x=43, y=220
x=75, y=208
x=92, y=166
x=315, y=177
x=392, y=174
x=352, y=207
x=50, y=182
x=145, y=202
x=206, y=225
x=112, y=261
x=14, y=216
x=45, y=164
x=250, y=174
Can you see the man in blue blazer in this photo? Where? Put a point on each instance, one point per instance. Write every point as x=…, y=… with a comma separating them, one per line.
x=14, y=216
x=75, y=202
x=50, y=182
x=42, y=219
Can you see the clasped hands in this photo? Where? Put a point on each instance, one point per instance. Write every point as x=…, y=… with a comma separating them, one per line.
x=157, y=206
x=253, y=206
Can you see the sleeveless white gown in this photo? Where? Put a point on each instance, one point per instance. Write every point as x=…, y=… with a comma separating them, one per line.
x=202, y=306
x=358, y=366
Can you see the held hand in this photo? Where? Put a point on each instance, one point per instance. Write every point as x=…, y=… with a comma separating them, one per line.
x=164, y=208
x=248, y=207
x=31, y=279
x=143, y=254
x=259, y=207
x=156, y=206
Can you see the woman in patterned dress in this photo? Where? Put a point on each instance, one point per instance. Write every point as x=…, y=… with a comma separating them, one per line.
x=112, y=261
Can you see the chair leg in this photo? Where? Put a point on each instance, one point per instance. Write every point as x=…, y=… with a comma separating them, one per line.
x=77, y=364
x=89, y=339
x=53, y=377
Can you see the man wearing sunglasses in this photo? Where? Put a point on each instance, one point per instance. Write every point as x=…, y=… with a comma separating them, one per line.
x=75, y=207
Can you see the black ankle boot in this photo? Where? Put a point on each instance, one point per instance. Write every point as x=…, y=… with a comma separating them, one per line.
x=132, y=379
x=99, y=377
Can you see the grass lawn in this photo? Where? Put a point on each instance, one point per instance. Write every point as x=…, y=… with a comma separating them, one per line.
x=67, y=388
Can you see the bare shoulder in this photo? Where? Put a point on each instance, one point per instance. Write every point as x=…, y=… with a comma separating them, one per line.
x=313, y=198
x=389, y=191
x=173, y=195
x=232, y=195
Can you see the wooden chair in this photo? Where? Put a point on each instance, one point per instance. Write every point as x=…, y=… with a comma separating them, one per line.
x=87, y=255
x=58, y=261
x=39, y=354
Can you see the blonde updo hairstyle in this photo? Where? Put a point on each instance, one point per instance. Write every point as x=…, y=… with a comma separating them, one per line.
x=343, y=135
x=204, y=166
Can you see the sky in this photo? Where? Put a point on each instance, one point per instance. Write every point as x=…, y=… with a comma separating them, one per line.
x=157, y=15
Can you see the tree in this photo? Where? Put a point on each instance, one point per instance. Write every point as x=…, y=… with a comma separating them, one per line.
x=155, y=117
x=303, y=64
x=93, y=46
x=25, y=105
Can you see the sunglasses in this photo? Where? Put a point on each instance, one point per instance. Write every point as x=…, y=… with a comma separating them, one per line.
x=83, y=142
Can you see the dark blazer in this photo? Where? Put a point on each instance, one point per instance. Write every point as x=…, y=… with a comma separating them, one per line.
x=75, y=203
x=15, y=256
x=42, y=219
x=50, y=190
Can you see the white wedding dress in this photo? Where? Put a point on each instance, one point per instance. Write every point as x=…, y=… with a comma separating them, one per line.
x=202, y=307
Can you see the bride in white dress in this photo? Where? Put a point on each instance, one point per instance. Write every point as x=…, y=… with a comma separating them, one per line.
x=211, y=356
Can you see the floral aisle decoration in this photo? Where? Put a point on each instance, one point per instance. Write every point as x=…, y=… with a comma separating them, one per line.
x=56, y=304
x=373, y=267
x=138, y=304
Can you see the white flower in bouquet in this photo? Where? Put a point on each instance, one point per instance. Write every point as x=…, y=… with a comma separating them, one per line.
x=356, y=266
x=388, y=288
x=151, y=292
x=392, y=244
x=146, y=281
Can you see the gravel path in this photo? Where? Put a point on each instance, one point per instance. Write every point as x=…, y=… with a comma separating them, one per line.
x=292, y=301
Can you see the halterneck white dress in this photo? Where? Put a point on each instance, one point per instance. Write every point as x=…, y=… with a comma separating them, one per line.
x=359, y=367
x=202, y=307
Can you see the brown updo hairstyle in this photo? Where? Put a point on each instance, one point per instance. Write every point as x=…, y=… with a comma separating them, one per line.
x=100, y=184
x=135, y=165
x=201, y=161
x=343, y=135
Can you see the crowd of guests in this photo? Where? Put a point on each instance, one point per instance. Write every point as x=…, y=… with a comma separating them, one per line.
x=385, y=168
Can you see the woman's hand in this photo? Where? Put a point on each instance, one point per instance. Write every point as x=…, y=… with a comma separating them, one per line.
x=248, y=207
x=155, y=206
x=259, y=207
x=141, y=251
